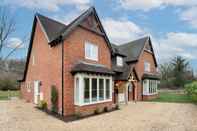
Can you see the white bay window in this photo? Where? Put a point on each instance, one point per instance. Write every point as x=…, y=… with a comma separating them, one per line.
x=150, y=87
x=92, y=89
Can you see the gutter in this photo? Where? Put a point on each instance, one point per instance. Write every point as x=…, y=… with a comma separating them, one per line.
x=62, y=76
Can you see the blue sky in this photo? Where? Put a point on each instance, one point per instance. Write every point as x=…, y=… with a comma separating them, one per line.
x=172, y=24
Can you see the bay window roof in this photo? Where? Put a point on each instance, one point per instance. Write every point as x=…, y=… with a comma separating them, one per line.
x=83, y=67
x=151, y=76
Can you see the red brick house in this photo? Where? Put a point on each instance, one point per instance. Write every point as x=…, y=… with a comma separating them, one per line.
x=87, y=70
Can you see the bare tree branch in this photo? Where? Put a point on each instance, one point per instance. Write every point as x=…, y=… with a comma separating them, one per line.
x=7, y=26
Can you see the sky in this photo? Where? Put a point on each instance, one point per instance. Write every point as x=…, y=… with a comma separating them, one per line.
x=171, y=24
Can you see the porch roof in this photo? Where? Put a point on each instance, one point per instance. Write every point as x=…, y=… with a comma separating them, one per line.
x=151, y=76
x=91, y=68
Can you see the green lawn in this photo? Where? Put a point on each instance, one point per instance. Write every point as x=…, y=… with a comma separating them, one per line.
x=172, y=97
x=4, y=94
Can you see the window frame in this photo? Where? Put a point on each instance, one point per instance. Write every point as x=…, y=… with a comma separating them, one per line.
x=91, y=51
x=119, y=61
x=81, y=96
x=147, y=66
x=150, y=87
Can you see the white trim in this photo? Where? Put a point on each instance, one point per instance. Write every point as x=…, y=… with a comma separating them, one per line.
x=93, y=49
x=81, y=77
x=119, y=61
x=146, y=87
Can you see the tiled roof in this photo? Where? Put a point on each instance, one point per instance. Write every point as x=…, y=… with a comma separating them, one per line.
x=51, y=27
x=91, y=68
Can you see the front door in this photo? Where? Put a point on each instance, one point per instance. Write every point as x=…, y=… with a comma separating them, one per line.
x=36, y=92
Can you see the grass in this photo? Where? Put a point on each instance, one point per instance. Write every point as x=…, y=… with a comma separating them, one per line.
x=173, y=97
x=4, y=95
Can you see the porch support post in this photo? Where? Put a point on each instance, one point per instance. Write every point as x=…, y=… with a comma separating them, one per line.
x=126, y=93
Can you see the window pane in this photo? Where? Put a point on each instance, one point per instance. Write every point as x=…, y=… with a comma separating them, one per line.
x=146, y=66
x=101, y=89
x=77, y=90
x=119, y=61
x=107, y=89
x=91, y=51
x=86, y=90
x=94, y=89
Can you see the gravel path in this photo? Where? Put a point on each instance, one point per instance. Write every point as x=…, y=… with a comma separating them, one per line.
x=17, y=115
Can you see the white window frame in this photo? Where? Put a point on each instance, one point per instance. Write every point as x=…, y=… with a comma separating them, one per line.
x=33, y=59
x=79, y=100
x=91, y=51
x=147, y=66
x=119, y=61
x=150, y=87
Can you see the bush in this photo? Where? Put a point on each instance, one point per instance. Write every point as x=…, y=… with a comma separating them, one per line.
x=106, y=109
x=8, y=84
x=42, y=105
x=191, y=90
x=117, y=107
x=78, y=114
x=96, y=111
x=54, y=98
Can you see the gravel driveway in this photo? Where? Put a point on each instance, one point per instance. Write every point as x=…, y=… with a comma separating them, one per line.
x=17, y=115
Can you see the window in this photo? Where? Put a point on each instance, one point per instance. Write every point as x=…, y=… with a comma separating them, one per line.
x=119, y=61
x=86, y=90
x=94, y=89
x=150, y=87
x=91, y=51
x=33, y=60
x=146, y=66
x=101, y=89
x=107, y=89
x=77, y=90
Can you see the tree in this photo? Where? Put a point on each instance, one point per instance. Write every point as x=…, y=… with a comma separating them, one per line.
x=7, y=27
x=180, y=68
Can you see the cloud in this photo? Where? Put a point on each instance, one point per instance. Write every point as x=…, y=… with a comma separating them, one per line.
x=51, y=5
x=66, y=18
x=176, y=44
x=144, y=5
x=120, y=31
x=147, y=5
x=15, y=43
x=190, y=16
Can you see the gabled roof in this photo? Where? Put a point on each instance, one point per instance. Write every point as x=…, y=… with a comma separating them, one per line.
x=55, y=30
x=91, y=68
x=50, y=27
x=117, y=51
x=133, y=49
x=80, y=19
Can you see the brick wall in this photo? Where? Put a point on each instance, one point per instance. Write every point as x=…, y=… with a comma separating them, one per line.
x=74, y=48
x=47, y=68
x=145, y=56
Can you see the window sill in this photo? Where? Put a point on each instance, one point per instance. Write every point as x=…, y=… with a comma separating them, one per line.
x=91, y=59
x=150, y=94
x=92, y=103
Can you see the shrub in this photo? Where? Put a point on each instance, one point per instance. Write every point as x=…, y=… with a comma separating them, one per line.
x=78, y=114
x=42, y=105
x=8, y=84
x=96, y=111
x=106, y=109
x=117, y=107
x=191, y=90
x=54, y=98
